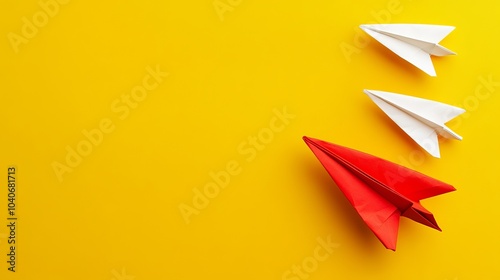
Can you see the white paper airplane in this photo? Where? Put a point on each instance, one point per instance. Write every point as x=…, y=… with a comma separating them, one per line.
x=413, y=42
x=420, y=118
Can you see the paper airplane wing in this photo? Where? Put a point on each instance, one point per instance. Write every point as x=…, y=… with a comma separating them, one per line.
x=381, y=216
x=433, y=113
x=431, y=110
x=421, y=133
x=410, y=183
x=423, y=32
x=408, y=52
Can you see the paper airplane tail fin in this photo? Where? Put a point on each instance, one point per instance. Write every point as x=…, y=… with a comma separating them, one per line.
x=448, y=133
x=421, y=215
x=439, y=50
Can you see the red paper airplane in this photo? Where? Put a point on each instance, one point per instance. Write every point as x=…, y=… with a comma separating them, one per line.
x=381, y=191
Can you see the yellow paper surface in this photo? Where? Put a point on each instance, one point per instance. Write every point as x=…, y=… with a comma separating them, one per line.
x=162, y=139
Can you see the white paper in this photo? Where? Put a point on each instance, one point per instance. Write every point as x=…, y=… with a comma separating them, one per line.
x=413, y=42
x=423, y=120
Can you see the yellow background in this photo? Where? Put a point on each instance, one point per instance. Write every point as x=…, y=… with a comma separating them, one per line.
x=116, y=215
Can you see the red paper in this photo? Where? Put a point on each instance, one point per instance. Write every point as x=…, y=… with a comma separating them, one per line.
x=379, y=190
